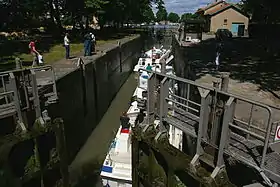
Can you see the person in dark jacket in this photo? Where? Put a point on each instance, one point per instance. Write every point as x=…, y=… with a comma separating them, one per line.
x=124, y=121
x=87, y=44
x=93, y=42
x=140, y=117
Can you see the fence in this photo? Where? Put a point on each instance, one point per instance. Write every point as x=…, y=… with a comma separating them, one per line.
x=208, y=114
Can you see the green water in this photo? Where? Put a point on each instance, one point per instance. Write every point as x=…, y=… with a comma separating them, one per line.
x=95, y=149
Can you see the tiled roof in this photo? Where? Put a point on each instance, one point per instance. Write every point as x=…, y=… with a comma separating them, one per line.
x=217, y=8
x=211, y=5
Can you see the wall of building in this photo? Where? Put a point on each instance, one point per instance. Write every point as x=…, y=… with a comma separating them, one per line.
x=232, y=16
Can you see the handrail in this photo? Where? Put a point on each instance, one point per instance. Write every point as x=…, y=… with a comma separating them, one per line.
x=6, y=93
x=184, y=99
x=265, y=107
x=254, y=127
x=212, y=89
x=26, y=69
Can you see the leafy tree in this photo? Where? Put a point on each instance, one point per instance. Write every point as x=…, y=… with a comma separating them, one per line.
x=173, y=17
x=262, y=10
x=15, y=14
x=161, y=14
x=187, y=16
x=92, y=7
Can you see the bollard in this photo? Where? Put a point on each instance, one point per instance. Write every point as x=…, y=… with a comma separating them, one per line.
x=225, y=81
x=18, y=63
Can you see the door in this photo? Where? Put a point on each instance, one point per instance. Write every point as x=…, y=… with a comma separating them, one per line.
x=241, y=30
x=234, y=29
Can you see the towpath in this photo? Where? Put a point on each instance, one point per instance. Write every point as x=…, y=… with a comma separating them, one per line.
x=63, y=67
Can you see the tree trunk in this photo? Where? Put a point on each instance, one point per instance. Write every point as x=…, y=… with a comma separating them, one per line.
x=55, y=14
x=87, y=22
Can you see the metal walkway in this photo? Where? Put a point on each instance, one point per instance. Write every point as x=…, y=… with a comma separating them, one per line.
x=209, y=115
x=24, y=90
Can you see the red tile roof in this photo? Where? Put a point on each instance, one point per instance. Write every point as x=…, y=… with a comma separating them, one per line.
x=211, y=5
x=217, y=8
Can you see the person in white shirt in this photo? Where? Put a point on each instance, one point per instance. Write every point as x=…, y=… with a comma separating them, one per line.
x=92, y=42
x=67, y=46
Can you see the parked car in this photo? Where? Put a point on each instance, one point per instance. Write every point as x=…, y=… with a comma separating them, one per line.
x=223, y=34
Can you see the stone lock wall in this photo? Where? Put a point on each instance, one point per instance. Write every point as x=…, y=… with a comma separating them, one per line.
x=86, y=93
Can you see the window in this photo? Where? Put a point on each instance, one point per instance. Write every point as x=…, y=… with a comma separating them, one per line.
x=225, y=21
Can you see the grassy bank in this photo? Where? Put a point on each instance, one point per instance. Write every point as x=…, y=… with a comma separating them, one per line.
x=51, y=49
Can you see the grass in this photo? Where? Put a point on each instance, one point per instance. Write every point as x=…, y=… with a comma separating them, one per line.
x=57, y=52
x=53, y=53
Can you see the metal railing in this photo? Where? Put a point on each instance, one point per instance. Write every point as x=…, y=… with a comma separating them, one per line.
x=24, y=89
x=3, y=88
x=209, y=105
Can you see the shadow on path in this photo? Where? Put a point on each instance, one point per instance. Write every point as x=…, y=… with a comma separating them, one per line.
x=246, y=59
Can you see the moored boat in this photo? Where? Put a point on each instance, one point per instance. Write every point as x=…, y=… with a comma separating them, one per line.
x=117, y=167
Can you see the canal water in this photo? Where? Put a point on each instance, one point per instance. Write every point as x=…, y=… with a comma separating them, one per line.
x=95, y=149
x=92, y=154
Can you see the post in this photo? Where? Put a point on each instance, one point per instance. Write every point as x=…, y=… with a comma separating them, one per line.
x=228, y=115
x=61, y=150
x=36, y=100
x=203, y=123
x=163, y=66
x=17, y=101
x=225, y=81
x=215, y=119
x=18, y=63
x=163, y=105
x=151, y=99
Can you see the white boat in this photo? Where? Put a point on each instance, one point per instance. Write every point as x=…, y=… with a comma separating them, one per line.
x=117, y=167
x=151, y=57
x=116, y=170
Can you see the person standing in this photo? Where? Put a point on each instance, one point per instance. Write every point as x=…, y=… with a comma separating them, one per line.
x=87, y=44
x=93, y=42
x=218, y=55
x=124, y=119
x=149, y=67
x=67, y=46
x=33, y=52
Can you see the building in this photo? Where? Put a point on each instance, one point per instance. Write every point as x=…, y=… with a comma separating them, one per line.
x=221, y=14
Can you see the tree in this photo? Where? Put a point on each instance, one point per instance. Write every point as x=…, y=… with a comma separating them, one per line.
x=161, y=14
x=18, y=14
x=148, y=15
x=92, y=7
x=262, y=10
x=173, y=17
x=187, y=16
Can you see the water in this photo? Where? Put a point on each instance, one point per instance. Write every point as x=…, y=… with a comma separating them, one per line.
x=97, y=145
